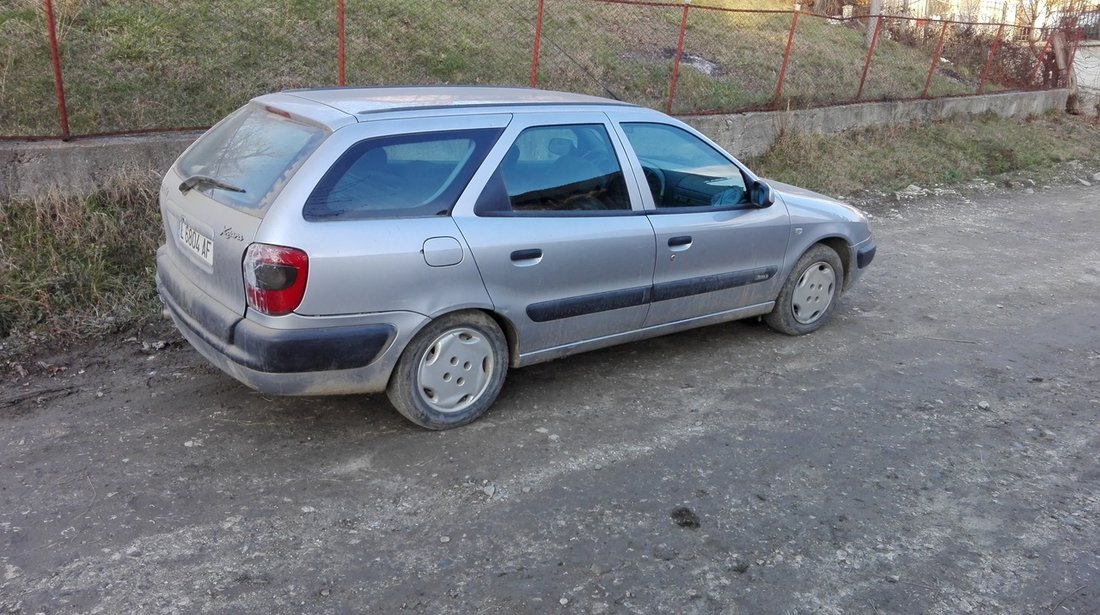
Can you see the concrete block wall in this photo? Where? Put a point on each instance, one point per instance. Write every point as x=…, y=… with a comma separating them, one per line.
x=752, y=134
x=30, y=168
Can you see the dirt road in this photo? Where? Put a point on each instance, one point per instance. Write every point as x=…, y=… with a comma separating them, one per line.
x=934, y=450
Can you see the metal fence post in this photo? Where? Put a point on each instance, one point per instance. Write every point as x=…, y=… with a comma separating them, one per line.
x=992, y=54
x=55, y=59
x=783, y=66
x=537, y=45
x=1038, y=63
x=676, y=60
x=340, y=41
x=935, y=61
x=870, y=52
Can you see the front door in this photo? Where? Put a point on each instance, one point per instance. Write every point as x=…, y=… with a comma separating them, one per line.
x=715, y=250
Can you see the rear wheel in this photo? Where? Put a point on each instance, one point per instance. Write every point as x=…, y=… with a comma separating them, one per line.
x=451, y=372
x=810, y=293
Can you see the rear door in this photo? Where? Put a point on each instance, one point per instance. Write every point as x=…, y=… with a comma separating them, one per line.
x=214, y=199
x=559, y=234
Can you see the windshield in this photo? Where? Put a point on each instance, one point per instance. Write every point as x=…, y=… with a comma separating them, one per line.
x=254, y=150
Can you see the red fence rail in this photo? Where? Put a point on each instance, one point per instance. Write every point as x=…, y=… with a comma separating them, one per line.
x=149, y=72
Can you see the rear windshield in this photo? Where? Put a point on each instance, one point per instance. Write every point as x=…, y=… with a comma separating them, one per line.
x=254, y=150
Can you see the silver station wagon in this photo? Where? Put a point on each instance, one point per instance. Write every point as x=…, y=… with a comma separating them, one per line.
x=423, y=240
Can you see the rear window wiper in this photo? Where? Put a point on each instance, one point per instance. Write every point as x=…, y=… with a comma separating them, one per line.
x=205, y=180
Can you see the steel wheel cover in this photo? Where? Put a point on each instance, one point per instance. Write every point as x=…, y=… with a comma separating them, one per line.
x=455, y=370
x=813, y=293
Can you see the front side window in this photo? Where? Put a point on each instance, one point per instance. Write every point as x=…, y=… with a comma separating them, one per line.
x=553, y=169
x=407, y=175
x=682, y=170
x=254, y=151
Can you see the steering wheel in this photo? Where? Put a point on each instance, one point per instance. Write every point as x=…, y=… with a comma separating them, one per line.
x=655, y=177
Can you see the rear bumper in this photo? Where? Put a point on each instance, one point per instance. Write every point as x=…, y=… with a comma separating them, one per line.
x=330, y=355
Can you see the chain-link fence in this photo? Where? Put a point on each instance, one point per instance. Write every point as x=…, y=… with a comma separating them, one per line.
x=132, y=65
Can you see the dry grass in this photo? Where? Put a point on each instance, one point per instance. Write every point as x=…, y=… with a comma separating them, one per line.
x=73, y=266
x=942, y=153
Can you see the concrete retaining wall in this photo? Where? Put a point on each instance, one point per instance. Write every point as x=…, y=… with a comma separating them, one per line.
x=30, y=168
x=751, y=134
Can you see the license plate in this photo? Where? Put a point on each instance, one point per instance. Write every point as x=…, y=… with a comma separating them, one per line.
x=200, y=244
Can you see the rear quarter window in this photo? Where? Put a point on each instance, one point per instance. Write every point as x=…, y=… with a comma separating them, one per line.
x=407, y=175
x=253, y=149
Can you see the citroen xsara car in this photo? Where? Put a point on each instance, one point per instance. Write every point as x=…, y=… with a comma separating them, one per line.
x=424, y=240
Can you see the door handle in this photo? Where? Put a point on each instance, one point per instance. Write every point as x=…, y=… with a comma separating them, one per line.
x=525, y=258
x=681, y=241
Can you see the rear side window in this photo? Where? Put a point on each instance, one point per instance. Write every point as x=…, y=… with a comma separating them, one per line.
x=254, y=150
x=557, y=170
x=400, y=176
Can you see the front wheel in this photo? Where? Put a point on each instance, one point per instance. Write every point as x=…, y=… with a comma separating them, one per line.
x=451, y=372
x=809, y=294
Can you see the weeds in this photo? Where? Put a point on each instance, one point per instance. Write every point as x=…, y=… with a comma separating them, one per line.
x=940, y=153
x=73, y=266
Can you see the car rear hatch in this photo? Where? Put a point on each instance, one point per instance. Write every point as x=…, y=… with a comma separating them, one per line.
x=213, y=201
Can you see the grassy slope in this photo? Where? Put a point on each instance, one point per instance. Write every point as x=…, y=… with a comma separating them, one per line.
x=941, y=153
x=133, y=64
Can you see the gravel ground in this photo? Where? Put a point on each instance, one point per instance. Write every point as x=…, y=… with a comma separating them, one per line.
x=932, y=450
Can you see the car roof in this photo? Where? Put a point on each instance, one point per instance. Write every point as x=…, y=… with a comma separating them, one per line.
x=357, y=101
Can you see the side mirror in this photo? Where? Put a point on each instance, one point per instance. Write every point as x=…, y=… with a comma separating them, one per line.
x=762, y=194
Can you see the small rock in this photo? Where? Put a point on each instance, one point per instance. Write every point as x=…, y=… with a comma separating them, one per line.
x=542, y=430
x=684, y=517
x=983, y=405
x=1084, y=182
x=554, y=437
x=1096, y=177
x=489, y=490
x=189, y=443
x=1030, y=182
x=308, y=509
x=527, y=490
x=325, y=592
x=1029, y=191
x=893, y=578
x=664, y=552
x=444, y=539
x=563, y=601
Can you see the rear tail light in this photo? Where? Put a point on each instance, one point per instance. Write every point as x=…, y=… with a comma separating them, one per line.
x=275, y=278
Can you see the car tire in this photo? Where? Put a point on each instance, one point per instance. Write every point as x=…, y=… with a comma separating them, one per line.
x=810, y=294
x=451, y=372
